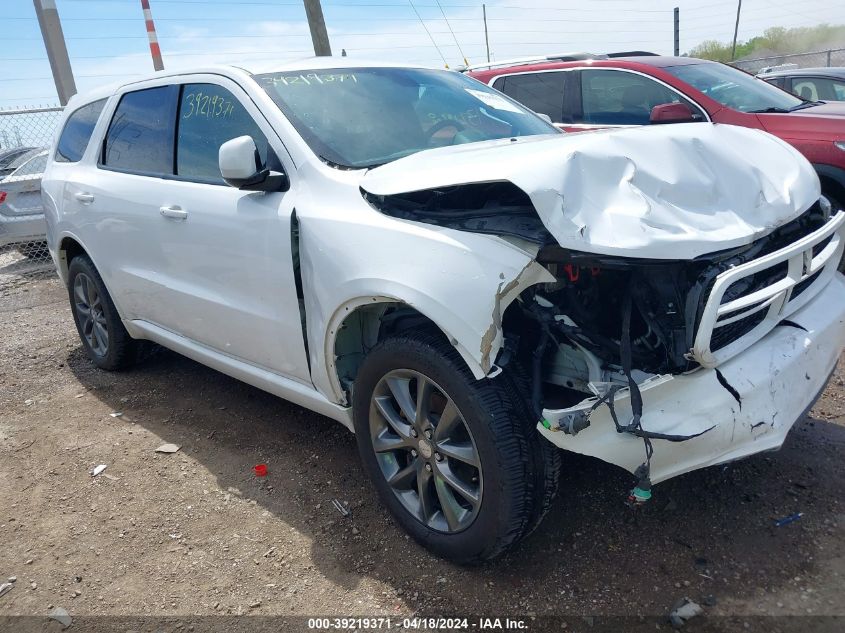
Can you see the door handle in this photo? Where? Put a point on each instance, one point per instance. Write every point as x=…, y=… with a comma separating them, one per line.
x=84, y=198
x=175, y=212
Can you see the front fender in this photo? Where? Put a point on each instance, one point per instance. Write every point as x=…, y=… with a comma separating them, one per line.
x=461, y=281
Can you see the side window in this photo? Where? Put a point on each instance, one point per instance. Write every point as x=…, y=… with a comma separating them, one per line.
x=613, y=97
x=817, y=88
x=210, y=115
x=540, y=92
x=806, y=89
x=77, y=132
x=140, y=136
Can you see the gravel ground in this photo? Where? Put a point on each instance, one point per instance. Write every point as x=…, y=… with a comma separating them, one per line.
x=195, y=533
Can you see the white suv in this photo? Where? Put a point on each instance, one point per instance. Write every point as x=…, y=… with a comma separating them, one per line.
x=421, y=258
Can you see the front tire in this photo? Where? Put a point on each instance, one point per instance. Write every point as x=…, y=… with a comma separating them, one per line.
x=456, y=460
x=105, y=340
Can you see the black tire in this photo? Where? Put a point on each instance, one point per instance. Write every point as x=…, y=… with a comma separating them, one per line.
x=548, y=458
x=517, y=486
x=121, y=350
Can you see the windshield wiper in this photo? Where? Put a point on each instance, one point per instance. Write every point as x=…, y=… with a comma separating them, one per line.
x=767, y=110
x=805, y=104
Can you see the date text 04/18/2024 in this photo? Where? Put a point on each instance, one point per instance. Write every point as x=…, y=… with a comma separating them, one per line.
x=417, y=623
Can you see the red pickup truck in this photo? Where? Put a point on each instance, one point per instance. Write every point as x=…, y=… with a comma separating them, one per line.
x=589, y=92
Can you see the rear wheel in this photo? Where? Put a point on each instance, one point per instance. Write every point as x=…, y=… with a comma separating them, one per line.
x=101, y=331
x=455, y=459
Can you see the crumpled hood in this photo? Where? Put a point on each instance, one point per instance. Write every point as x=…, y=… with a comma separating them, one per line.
x=664, y=192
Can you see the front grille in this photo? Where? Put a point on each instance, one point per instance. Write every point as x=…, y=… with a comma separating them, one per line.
x=727, y=334
x=810, y=244
x=818, y=248
x=755, y=282
x=801, y=286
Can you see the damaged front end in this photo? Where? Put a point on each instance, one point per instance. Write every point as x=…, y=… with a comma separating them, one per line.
x=664, y=348
x=695, y=311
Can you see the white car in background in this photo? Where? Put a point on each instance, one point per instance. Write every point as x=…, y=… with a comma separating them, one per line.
x=423, y=259
x=21, y=210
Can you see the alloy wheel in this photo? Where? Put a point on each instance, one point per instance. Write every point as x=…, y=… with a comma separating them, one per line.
x=425, y=450
x=88, y=305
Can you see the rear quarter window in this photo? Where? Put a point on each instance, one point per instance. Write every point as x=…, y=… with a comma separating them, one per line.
x=77, y=132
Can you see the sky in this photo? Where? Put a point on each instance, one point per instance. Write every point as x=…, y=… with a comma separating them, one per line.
x=107, y=42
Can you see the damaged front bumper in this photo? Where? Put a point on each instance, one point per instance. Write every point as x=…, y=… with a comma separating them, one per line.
x=772, y=384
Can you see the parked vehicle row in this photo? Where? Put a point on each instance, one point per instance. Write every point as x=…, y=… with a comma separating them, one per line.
x=583, y=93
x=810, y=84
x=469, y=289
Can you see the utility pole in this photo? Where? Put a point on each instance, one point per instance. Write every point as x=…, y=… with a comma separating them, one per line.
x=155, y=49
x=677, y=31
x=486, y=39
x=736, y=29
x=317, y=25
x=54, y=42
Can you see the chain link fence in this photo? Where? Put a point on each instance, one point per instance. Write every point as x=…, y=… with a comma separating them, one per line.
x=817, y=59
x=25, y=135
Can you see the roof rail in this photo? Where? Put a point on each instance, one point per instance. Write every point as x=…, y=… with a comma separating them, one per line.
x=633, y=54
x=558, y=57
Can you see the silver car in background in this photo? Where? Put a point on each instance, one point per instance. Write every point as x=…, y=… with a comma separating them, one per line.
x=21, y=211
x=12, y=158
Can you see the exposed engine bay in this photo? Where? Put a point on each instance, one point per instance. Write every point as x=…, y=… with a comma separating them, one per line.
x=666, y=297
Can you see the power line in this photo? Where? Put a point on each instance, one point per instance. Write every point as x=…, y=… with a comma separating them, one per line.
x=427, y=31
x=453, y=34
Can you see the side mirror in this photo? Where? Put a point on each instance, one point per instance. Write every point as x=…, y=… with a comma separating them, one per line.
x=240, y=166
x=671, y=113
x=545, y=117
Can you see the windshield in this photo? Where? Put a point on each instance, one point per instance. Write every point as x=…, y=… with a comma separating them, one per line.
x=736, y=89
x=363, y=117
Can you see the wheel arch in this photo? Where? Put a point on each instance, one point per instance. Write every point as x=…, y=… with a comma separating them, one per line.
x=832, y=181
x=361, y=323
x=69, y=246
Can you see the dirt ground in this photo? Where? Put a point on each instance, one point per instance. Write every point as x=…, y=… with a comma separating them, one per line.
x=196, y=533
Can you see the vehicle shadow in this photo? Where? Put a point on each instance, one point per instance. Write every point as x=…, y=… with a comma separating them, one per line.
x=707, y=532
